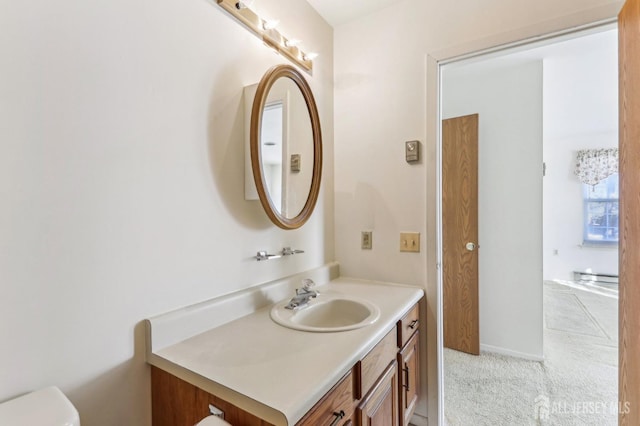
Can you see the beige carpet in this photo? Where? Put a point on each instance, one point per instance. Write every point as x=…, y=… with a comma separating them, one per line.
x=575, y=385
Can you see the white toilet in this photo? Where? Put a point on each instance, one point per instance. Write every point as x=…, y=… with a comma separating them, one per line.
x=212, y=421
x=46, y=407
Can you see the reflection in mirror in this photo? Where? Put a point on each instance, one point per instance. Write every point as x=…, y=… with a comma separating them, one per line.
x=271, y=141
x=286, y=141
x=285, y=145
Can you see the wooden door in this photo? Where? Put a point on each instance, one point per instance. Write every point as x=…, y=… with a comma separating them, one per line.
x=629, y=283
x=380, y=406
x=460, y=233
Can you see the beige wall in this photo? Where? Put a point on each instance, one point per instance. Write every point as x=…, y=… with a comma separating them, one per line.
x=385, y=94
x=121, y=183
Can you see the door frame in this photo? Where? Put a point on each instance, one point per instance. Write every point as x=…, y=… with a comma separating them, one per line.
x=545, y=33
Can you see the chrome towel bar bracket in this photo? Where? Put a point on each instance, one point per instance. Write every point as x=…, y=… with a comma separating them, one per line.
x=287, y=251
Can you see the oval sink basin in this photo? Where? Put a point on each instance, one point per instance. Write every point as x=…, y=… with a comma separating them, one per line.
x=327, y=314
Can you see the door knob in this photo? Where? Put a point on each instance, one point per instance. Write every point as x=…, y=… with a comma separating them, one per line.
x=470, y=246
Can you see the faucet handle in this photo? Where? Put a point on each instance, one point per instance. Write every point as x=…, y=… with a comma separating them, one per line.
x=307, y=283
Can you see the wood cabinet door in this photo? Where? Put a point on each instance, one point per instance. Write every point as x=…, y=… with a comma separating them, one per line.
x=408, y=360
x=175, y=402
x=380, y=406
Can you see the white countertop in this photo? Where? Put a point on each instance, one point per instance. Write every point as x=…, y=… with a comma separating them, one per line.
x=275, y=372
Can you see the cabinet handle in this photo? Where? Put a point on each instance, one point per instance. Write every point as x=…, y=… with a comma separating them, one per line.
x=338, y=416
x=413, y=324
x=406, y=377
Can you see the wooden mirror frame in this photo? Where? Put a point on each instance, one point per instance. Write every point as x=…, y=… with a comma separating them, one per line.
x=267, y=81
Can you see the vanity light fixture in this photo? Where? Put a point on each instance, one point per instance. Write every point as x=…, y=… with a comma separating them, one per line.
x=265, y=29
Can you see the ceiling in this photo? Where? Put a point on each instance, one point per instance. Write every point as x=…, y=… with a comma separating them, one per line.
x=337, y=12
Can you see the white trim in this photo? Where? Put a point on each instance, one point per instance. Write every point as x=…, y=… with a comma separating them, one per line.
x=509, y=352
x=439, y=313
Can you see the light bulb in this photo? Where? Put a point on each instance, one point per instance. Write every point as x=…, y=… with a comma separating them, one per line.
x=291, y=43
x=310, y=56
x=244, y=4
x=270, y=24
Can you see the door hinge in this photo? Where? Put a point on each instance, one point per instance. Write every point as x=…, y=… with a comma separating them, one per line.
x=544, y=169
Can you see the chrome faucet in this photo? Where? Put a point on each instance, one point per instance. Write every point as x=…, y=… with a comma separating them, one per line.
x=303, y=295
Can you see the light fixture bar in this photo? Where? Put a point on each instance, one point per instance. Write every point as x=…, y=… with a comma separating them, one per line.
x=271, y=37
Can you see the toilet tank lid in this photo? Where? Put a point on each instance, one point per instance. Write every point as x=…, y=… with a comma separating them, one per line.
x=48, y=406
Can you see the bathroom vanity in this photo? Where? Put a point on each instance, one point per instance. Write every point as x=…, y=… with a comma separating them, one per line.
x=259, y=372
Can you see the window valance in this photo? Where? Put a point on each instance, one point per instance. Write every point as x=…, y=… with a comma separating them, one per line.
x=594, y=165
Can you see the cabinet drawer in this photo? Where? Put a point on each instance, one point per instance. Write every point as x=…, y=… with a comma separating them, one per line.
x=408, y=325
x=335, y=408
x=374, y=363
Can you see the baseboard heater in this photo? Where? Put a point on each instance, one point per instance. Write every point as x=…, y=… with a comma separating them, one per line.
x=594, y=276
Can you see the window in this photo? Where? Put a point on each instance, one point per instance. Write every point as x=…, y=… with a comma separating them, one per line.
x=601, y=211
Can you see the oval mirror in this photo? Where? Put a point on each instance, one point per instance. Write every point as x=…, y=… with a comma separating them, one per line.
x=286, y=146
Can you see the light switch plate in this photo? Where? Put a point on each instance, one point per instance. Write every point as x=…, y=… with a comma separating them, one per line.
x=366, y=240
x=410, y=242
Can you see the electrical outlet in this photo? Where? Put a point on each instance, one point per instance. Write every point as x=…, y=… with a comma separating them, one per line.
x=410, y=242
x=366, y=240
